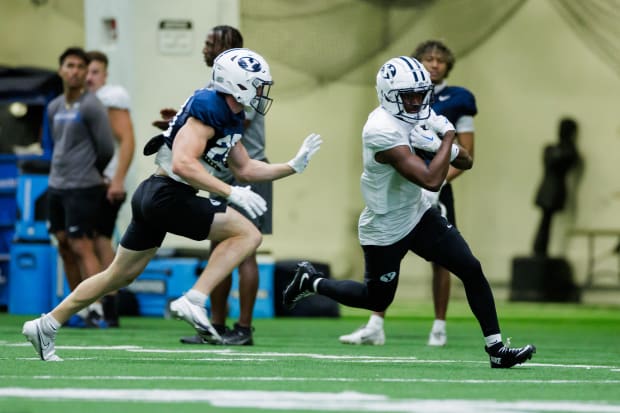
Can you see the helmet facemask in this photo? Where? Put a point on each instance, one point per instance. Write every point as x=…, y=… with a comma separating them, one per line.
x=261, y=102
x=413, y=111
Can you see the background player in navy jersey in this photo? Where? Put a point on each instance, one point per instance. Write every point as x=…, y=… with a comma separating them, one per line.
x=398, y=217
x=459, y=106
x=219, y=39
x=203, y=137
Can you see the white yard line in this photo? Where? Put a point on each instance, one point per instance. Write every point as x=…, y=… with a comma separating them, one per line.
x=291, y=401
x=266, y=356
x=312, y=379
x=319, y=401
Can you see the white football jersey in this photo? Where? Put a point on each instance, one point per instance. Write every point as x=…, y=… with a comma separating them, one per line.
x=113, y=97
x=394, y=205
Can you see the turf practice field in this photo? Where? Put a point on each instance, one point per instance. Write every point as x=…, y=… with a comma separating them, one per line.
x=298, y=365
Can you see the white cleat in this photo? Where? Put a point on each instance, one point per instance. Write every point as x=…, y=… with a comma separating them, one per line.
x=437, y=338
x=365, y=335
x=196, y=316
x=43, y=343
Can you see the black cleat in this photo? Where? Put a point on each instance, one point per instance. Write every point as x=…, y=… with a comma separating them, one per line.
x=95, y=320
x=503, y=357
x=197, y=339
x=301, y=285
x=238, y=336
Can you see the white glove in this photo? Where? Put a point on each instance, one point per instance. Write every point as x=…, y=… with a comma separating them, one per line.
x=439, y=124
x=251, y=202
x=425, y=139
x=311, y=145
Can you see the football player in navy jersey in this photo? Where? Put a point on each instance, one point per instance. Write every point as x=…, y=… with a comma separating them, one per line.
x=219, y=39
x=398, y=216
x=203, y=137
x=459, y=106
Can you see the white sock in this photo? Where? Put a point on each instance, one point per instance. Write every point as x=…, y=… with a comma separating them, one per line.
x=493, y=339
x=96, y=307
x=375, y=322
x=83, y=313
x=196, y=297
x=439, y=325
x=49, y=324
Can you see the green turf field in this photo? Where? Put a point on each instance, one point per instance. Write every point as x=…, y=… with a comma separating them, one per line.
x=298, y=365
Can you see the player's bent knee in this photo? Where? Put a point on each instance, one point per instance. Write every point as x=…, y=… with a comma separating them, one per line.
x=254, y=236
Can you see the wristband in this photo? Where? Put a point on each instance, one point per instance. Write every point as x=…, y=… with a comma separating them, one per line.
x=454, y=152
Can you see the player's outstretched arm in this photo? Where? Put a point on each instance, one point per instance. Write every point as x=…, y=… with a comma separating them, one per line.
x=246, y=169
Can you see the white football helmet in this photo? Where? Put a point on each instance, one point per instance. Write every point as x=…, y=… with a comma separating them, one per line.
x=404, y=75
x=245, y=75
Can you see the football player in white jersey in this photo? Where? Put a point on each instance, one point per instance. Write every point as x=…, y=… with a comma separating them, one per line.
x=458, y=105
x=117, y=101
x=204, y=136
x=398, y=217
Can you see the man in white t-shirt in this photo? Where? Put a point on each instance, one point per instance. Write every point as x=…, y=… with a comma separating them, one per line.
x=116, y=99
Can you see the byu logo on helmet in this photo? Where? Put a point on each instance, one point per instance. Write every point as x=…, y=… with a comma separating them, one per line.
x=388, y=71
x=250, y=64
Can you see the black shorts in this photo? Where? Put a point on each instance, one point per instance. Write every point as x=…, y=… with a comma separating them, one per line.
x=433, y=239
x=161, y=205
x=107, y=216
x=75, y=211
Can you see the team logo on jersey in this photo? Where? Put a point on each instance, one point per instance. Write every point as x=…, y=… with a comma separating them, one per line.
x=388, y=71
x=250, y=64
x=71, y=116
x=386, y=278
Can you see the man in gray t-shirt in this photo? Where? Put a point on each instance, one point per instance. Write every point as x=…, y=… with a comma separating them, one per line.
x=83, y=146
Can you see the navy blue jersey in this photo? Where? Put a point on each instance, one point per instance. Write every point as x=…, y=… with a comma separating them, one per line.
x=210, y=108
x=454, y=102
